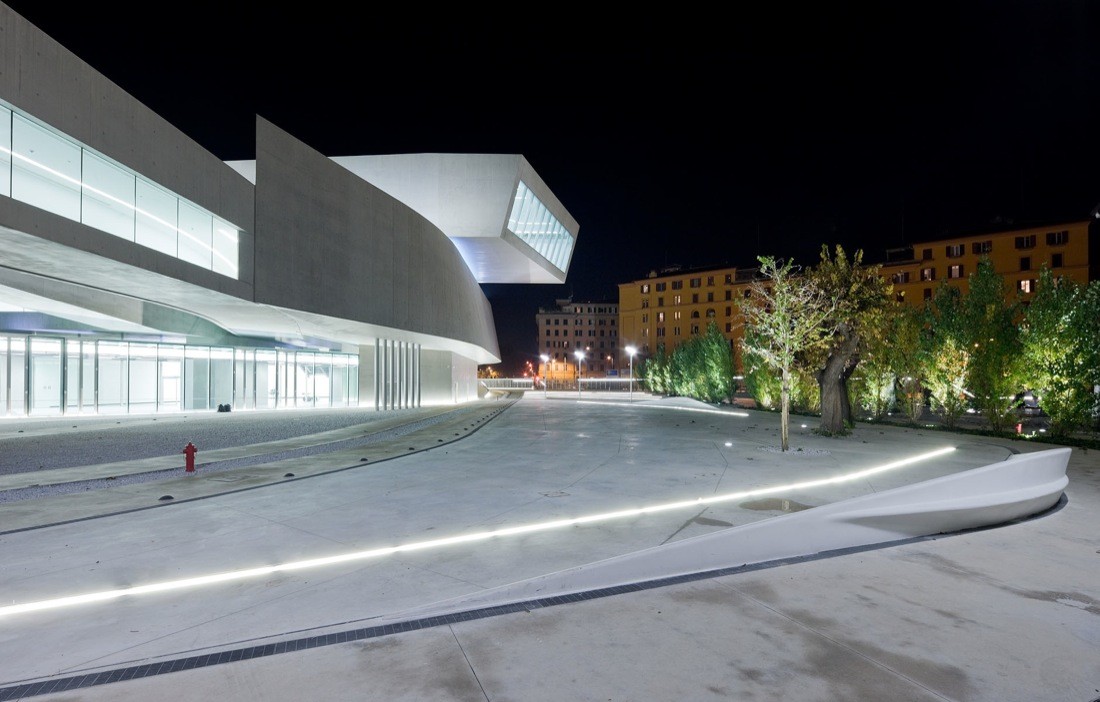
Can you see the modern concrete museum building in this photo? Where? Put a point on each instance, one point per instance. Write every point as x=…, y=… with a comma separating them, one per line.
x=139, y=273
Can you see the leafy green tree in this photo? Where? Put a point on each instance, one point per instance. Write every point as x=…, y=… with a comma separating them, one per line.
x=903, y=351
x=861, y=305
x=761, y=379
x=655, y=372
x=1059, y=349
x=785, y=315
x=945, y=354
x=995, y=372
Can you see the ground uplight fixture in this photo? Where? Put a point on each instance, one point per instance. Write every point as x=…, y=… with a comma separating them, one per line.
x=545, y=360
x=580, y=357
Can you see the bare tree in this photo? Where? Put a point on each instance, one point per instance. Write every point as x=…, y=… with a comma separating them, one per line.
x=785, y=314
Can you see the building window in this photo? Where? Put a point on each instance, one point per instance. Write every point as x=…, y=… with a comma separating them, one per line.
x=645, y=303
x=676, y=331
x=900, y=297
x=729, y=278
x=927, y=273
x=694, y=328
x=955, y=271
x=928, y=293
x=660, y=331
x=926, y=255
x=645, y=319
x=547, y=332
x=710, y=314
x=696, y=282
x=1025, y=286
x=729, y=327
x=676, y=299
x=1025, y=263
x=729, y=311
x=902, y=277
x=660, y=302
x=645, y=288
x=677, y=285
x=1056, y=260
x=676, y=314
x=710, y=297
x=710, y=280
x=748, y=293
x=661, y=287
x=981, y=247
x=955, y=250
x=729, y=294
x=1025, y=242
x=694, y=298
x=660, y=317
x=695, y=314
x=1057, y=238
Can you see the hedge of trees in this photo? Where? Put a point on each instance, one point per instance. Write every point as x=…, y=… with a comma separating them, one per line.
x=830, y=339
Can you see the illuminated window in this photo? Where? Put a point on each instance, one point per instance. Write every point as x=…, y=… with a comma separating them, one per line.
x=645, y=288
x=675, y=299
x=902, y=277
x=536, y=227
x=660, y=317
x=955, y=271
x=1026, y=286
x=927, y=273
x=676, y=314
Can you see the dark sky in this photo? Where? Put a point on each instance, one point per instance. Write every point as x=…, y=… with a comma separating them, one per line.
x=672, y=140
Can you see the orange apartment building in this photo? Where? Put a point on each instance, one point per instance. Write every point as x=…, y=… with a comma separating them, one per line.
x=672, y=305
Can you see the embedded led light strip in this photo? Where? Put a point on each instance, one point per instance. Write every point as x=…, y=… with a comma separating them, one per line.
x=667, y=407
x=136, y=209
x=453, y=540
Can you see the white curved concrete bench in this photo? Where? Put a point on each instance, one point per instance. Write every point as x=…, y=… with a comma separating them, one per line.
x=1020, y=486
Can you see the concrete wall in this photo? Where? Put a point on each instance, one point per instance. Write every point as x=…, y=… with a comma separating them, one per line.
x=50, y=83
x=330, y=243
x=446, y=378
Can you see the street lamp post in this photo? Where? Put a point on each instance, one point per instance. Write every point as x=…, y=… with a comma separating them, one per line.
x=545, y=362
x=630, y=351
x=580, y=357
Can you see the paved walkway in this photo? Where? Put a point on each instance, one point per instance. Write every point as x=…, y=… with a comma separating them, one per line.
x=1011, y=613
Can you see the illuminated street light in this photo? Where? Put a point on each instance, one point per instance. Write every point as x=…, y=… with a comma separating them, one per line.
x=545, y=361
x=630, y=351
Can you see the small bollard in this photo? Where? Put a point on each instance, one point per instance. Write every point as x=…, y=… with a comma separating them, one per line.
x=189, y=450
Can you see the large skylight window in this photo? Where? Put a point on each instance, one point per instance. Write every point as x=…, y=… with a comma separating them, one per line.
x=533, y=223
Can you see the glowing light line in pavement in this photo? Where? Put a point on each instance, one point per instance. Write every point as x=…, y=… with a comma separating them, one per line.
x=452, y=540
x=666, y=407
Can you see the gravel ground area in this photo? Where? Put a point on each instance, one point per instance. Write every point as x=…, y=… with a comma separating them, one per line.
x=57, y=443
x=39, y=491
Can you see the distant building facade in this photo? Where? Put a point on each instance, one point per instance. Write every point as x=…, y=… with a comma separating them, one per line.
x=668, y=307
x=568, y=327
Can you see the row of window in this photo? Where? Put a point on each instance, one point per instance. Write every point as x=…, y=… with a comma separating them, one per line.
x=577, y=344
x=578, y=332
x=956, y=271
x=679, y=284
x=577, y=322
x=46, y=169
x=1027, y=241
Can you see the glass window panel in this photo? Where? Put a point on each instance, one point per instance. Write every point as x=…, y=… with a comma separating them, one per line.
x=221, y=377
x=170, y=378
x=143, y=378
x=303, y=380
x=339, y=380
x=108, y=197
x=353, y=381
x=322, y=380
x=87, y=380
x=72, y=376
x=5, y=151
x=195, y=235
x=156, y=218
x=45, y=169
x=265, y=379
x=196, y=373
x=17, y=358
x=113, y=377
x=3, y=375
x=226, y=247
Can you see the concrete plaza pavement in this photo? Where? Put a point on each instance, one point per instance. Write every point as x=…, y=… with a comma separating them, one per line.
x=1011, y=613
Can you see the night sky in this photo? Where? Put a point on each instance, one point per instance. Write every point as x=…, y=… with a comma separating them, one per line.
x=672, y=140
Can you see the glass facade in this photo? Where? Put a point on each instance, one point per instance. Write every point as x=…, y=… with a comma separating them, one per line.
x=46, y=376
x=533, y=223
x=46, y=169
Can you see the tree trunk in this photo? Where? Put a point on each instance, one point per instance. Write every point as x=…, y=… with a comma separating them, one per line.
x=785, y=404
x=836, y=410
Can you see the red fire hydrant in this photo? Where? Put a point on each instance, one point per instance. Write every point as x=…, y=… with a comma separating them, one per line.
x=189, y=450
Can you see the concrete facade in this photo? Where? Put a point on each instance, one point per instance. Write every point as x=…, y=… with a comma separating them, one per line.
x=326, y=262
